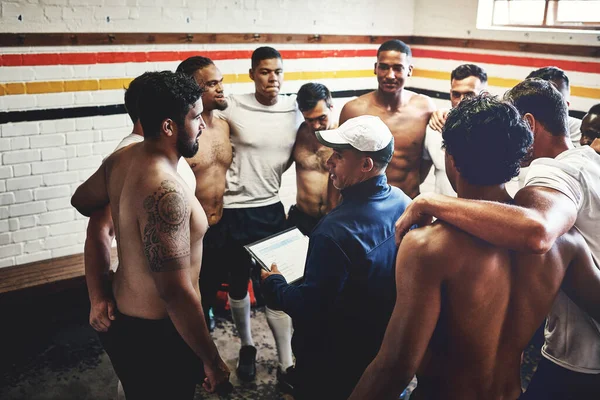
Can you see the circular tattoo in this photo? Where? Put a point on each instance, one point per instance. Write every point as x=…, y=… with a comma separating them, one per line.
x=171, y=208
x=149, y=203
x=168, y=185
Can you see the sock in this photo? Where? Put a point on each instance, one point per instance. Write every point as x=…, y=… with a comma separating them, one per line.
x=240, y=312
x=281, y=325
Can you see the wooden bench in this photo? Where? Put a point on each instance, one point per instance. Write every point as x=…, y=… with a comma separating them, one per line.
x=44, y=277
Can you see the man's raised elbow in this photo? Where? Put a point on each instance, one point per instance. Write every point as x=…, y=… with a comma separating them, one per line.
x=76, y=201
x=539, y=240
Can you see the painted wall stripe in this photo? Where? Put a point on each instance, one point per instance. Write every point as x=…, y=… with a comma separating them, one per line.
x=92, y=111
x=11, y=60
x=60, y=113
x=487, y=58
x=121, y=83
x=14, y=60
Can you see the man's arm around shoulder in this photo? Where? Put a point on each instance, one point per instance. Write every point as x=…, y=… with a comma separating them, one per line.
x=164, y=221
x=415, y=315
x=92, y=194
x=540, y=215
x=97, y=251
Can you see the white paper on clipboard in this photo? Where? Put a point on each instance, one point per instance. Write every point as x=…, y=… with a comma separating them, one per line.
x=287, y=249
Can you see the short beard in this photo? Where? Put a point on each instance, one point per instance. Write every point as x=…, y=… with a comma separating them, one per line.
x=221, y=106
x=184, y=148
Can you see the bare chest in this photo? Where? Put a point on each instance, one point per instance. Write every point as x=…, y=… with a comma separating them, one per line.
x=311, y=157
x=198, y=220
x=213, y=150
x=408, y=129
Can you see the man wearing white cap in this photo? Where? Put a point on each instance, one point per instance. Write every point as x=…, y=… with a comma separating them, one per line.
x=341, y=309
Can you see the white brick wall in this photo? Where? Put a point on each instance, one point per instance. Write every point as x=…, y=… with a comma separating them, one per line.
x=364, y=17
x=22, y=169
x=40, y=166
x=14, y=157
x=25, y=182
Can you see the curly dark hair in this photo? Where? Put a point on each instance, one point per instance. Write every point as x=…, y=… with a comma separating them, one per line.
x=166, y=95
x=193, y=64
x=310, y=94
x=541, y=99
x=132, y=95
x=488, y=139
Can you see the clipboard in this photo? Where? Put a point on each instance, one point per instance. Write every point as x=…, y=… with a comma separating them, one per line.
x=288, y=249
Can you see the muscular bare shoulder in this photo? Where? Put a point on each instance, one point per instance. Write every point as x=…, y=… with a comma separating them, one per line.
x=438, y=247
x=120, y=159
x=569, y=245
x=421, y=101
x=303, y=134
x=356, y=107
x=221, y=125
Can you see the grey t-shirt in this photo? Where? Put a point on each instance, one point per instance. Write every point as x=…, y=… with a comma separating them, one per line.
x=262, y=138
x=432, y=150
x=572, y=336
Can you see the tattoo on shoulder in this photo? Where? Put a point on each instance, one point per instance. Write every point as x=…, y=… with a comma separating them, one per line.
x=166, y=235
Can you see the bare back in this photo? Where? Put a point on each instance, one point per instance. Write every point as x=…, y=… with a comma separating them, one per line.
x=210, y=165
x=407, y=124
x=117, y=165
x=491, y=302
x=312, y=175
x=148, y=191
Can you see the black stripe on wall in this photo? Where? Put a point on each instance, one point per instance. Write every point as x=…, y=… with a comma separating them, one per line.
x=93, y=111
x=61, y=113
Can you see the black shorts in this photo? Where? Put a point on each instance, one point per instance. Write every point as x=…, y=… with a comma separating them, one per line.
x=304, y=222
x=247, y=225
x=553, y=382
x=225, y=259
x=151, y=359
x=213, y=271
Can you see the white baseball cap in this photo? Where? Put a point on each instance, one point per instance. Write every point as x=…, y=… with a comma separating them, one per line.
x=366, y=133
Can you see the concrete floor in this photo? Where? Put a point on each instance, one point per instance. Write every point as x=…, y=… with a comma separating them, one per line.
x=48, y=351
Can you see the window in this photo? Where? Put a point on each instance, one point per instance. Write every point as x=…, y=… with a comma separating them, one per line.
x=567, y=14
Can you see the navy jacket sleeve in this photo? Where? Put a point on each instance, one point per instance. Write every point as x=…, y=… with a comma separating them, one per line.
x=326, y=271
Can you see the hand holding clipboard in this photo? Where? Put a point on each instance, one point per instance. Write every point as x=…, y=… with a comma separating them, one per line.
x=287, y=249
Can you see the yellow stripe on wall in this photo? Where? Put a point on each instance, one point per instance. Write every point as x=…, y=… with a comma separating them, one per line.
x=14, y=88
x=122, y=83
x=113, y=84
x=82, y=86
x=582, y=91
x=426, y=73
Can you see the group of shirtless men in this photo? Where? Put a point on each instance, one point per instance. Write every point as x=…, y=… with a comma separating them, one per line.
x=471, y=290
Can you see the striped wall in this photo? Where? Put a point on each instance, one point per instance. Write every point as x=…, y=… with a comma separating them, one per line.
x=60, y=79
x=61, y=113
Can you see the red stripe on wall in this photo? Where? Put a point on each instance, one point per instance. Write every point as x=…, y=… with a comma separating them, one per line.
x=533, y=62
x=11, y=60
x=157, y=56
x=79, y=58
